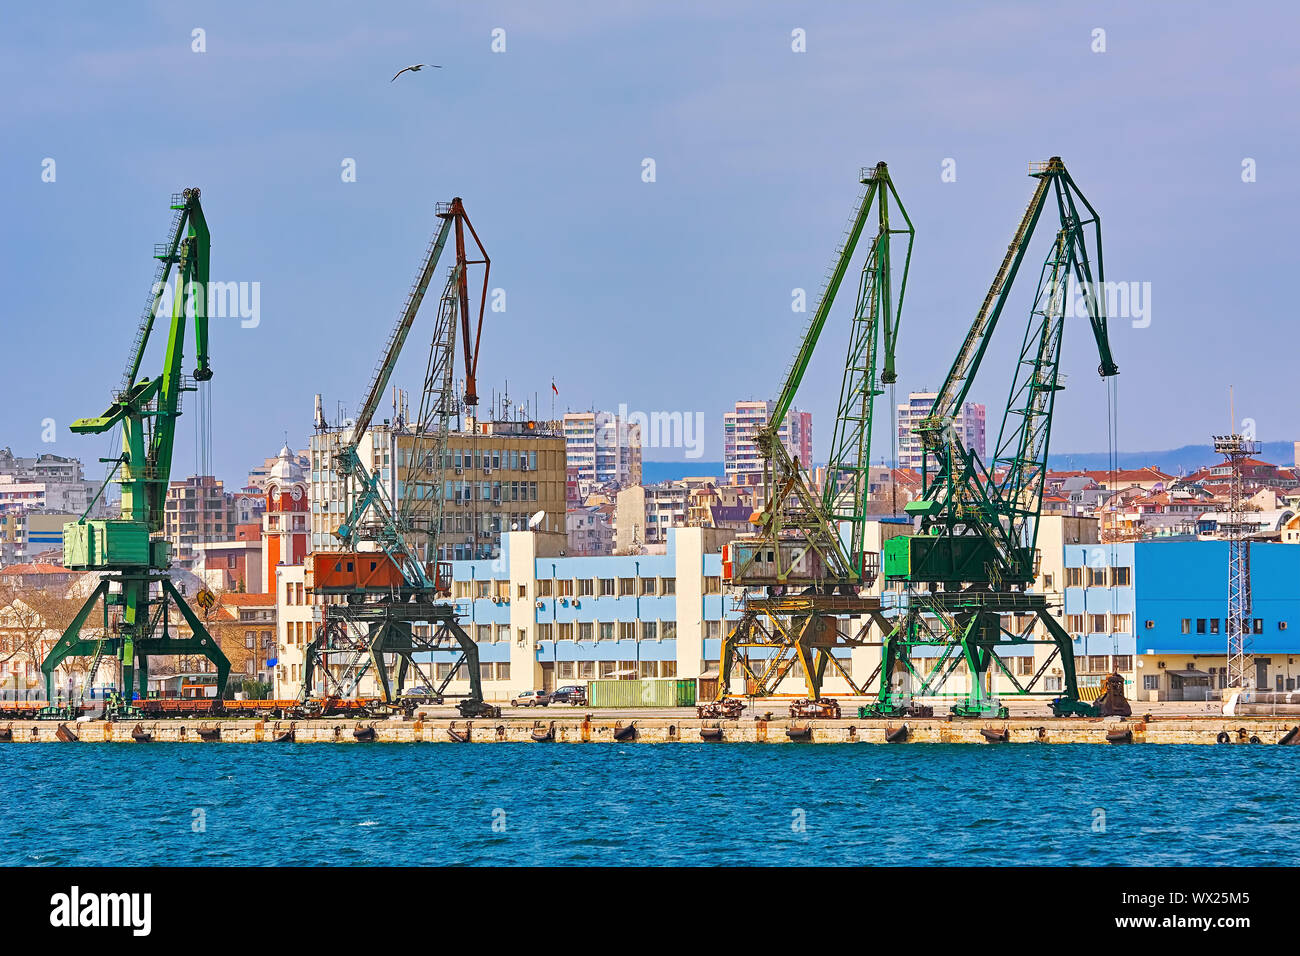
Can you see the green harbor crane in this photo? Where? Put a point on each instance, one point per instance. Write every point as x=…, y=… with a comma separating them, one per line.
x=128, y=549
x=810, y=550
x=969, y=566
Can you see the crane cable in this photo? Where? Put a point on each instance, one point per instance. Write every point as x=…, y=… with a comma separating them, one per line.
x=1112, y=450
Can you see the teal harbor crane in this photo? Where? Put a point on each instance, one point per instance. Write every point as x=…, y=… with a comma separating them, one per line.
x=973, y=557
x=127, y=549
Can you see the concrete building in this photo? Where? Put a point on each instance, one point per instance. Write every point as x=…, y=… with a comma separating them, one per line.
x=296, y=622
x=970, y=427
x=496, y=477
x=25, y=534
x=590, y=530
x=46, y=483
x=740, y=457
x=327, y=492
x=604, y=449
x=234, y=565
x=644, y=514
x=197, y=511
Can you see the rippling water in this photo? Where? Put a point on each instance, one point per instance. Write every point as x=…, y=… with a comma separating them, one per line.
x=642, y=804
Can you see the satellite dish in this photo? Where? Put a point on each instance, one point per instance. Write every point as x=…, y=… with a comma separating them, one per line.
x=536, y=520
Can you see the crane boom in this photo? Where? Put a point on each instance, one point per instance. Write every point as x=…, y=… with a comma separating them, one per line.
x=843, y=256
x=397, y=338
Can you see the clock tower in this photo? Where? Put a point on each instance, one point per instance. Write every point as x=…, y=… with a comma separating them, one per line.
x=285, y=525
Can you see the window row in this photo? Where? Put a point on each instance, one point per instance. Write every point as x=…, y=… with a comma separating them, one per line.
x=1098, y=577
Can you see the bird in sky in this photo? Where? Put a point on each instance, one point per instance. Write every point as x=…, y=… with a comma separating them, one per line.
x=415, y=69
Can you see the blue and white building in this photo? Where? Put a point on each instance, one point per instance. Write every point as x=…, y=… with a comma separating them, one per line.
x=1162, y=605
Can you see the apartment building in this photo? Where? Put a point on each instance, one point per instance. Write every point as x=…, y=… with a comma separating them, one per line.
x=197, y=510
x=603, y=448
x=741, y=459
x=969, y=425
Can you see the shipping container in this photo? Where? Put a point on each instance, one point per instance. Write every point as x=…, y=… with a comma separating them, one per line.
x=649, y=692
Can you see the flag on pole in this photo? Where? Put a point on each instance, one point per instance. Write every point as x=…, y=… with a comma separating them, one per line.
x=553, y=388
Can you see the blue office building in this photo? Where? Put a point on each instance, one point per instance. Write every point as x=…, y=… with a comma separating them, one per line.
x=1162, y=605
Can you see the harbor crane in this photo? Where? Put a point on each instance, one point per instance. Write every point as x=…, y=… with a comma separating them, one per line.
x=126, y=549
x=392, y=599
x=809, y=556
x=972, y=559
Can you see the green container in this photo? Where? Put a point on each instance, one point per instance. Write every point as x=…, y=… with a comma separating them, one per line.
x=647, y=692
x=93, y=545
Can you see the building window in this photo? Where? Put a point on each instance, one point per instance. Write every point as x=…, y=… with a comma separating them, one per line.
x=1121, y=577
x=607, y=630
x=586, y=587
x=1187, y=625
x=586, y=670
x=607, y=669
x=1097, y=577
x=566, y=670
x=649, y=630
x=668, y=629
x=1123, y=662
x=712, y=629
x=1200, y=625
x=1074, y=623
x=669, y=585
x=713, y=585
x=544, y=587
x=648, y=586
x=1214, y=625
x=606, y=587
x=503, y=670
x=1097, y=623
x=521, y=637
x=1073, y=577
x=627, y=630
x=1121, y=623
x=626, y=586
x=1257, y=625
x=1150, y=681
x=585, y=629
x=483, y=633
x=566, y=631
x=485, y=670
x=543, y=632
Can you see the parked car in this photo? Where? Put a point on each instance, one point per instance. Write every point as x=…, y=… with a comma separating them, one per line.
x=530, y=698
x=575, y=694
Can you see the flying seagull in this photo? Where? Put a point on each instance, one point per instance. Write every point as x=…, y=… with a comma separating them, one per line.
x=415, y=69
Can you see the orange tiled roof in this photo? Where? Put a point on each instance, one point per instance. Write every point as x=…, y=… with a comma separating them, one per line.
x=39, y=568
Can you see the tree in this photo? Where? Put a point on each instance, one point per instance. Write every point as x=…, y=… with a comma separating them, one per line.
x=32, y=619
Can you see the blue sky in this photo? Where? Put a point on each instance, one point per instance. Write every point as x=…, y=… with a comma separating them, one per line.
x=671, y=295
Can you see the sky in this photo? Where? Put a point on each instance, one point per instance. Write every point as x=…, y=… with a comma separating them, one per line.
x=1177, y=122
